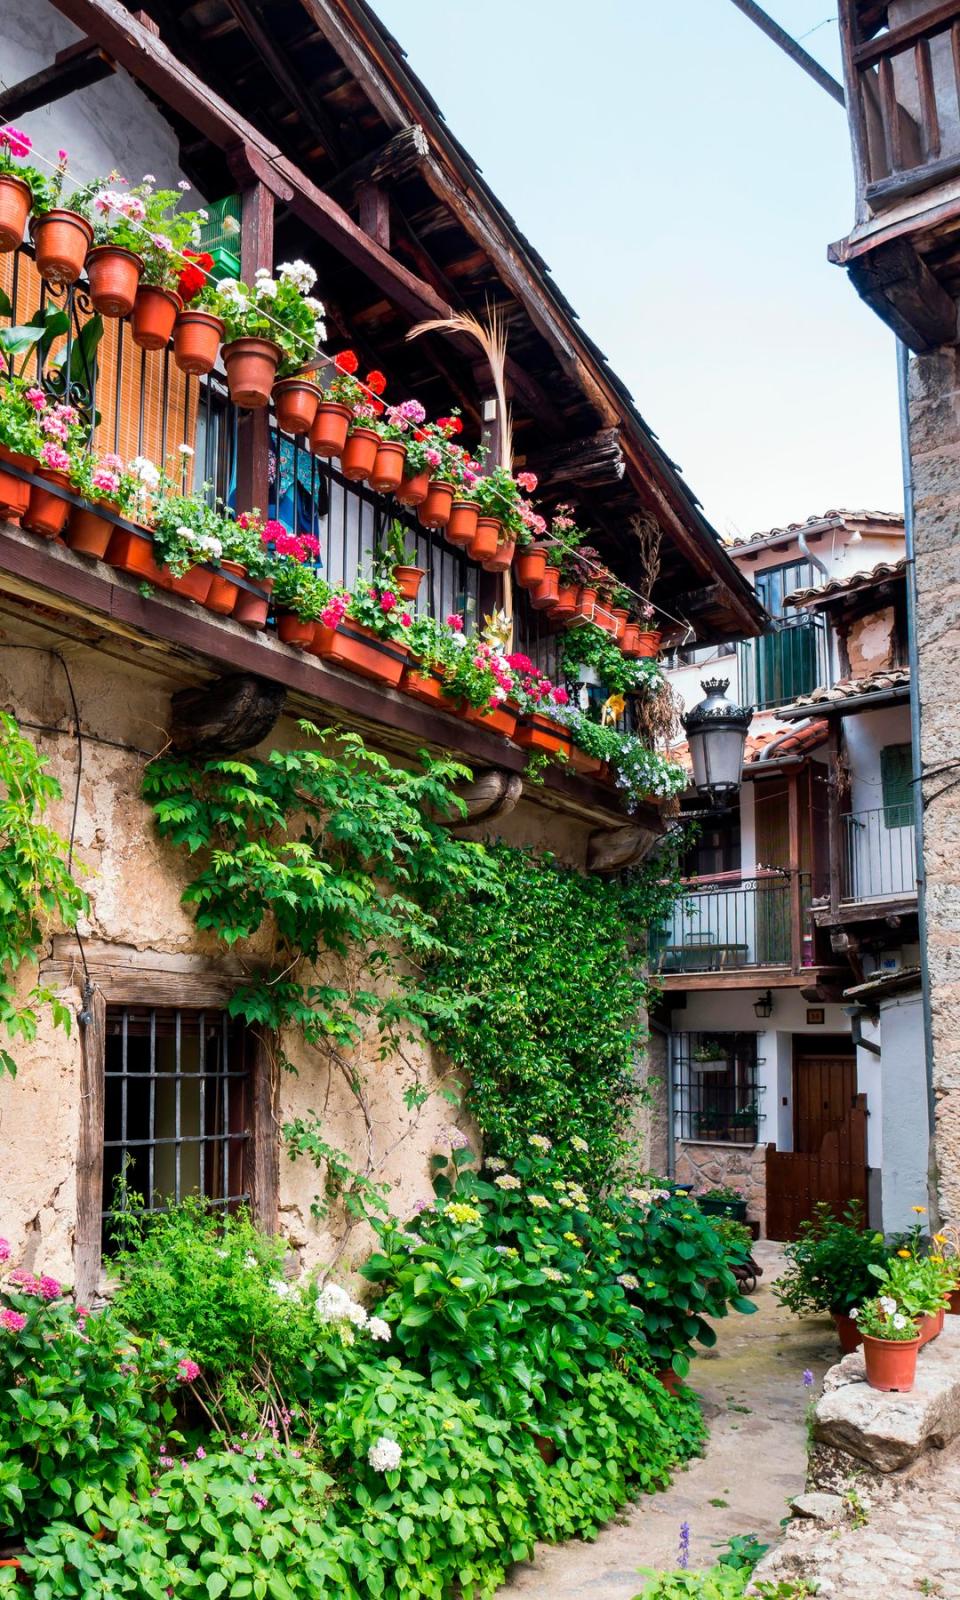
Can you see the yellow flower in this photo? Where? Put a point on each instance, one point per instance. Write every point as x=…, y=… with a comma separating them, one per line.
x=448, y=1422
x=920, y=1210
x=904, y=1255
x=571, y=1238
x=938, y=1260
x=651, y=1284
x=458, y=1212
x=588, y=1294
x=939, y=1238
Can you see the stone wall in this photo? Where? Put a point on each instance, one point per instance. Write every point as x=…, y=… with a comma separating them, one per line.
x=935, y=450
x=738, y=1166
x=650, y=1118
x=135, y=882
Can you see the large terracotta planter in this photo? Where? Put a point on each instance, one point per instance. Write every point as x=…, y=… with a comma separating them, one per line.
x=587, y=766
x=154, y=315
x=387, y=472
x=61, y=240
x=251, y=371
x=197, y=336
x=295, y=402
x=89, y=533
x=114, y=276
x=362, y=651
x=14, y=493
x=502, y=557
x=252, y=605
x=194, y=584
x=848, y=1333
x=891, y=1363
x=461, y=528
x=483, y=545
x=670, y=1380
x=544, y=596
x=565, y=606
x=359, y=454
x=530, y=565
x=223, y=591
x=537, y=732
x=133, y=552
x=291, y=630
x=15, y=202
x=47, y=512
x=328, y=431
x=648, y=643
x=424, y=684
x=436, y=508
x=502, y=720
x=413, y=491
x=409, y=580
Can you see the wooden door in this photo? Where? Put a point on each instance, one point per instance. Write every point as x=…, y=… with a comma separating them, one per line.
x=824, y=1091
x=829, y=1162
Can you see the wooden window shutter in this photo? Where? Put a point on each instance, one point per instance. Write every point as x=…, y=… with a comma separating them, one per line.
x=896, y=783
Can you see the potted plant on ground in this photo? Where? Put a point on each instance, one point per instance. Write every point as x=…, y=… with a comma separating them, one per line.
x=829, y=1268
x=17, y=184
x=920, y=1285
x=61, y=234
x=890, y=1344
x=723, y=1201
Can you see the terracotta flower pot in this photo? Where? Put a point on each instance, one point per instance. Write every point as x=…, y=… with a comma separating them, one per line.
x=61, y=240
x=251, y=371
x=359, y=454
x=891, y=1363
x=502, y=720
x=502, y=557
x=362, y=651
x=328, y=431
x=154, y=316
x=537, y=732
x=89, y=533
x=648, y=643
x=223, y=593
x=436, y=508
x=424, y=684
x=586, y=602
x=197, y=336
x=251, y=607
x=544, y=596
x=409, y=580
x=113, y=275
x=193, y=585
x=847, y=1332
x=413, y=491
x=954, y=1307
x=47, y=512
x=483, y=545
x=620, y=621
x=14, y=493
x=603, y=616
x=291, y=630
x=133, y=552
x=530, y=565
x=295, y=402
x=587, y=766
x=670, y=1380
x=930, y=1327
x=15, y=202
x=566, y=603
x=629, y=639
x=387, y=473
x=461, y=528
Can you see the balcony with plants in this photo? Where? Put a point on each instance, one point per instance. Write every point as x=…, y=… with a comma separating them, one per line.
x=374, y=540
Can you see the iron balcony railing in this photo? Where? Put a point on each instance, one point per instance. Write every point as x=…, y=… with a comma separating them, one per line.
x=723, y=926
x=788, y=661
x=877, y=854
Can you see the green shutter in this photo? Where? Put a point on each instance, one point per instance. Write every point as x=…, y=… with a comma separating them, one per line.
x=896, y=782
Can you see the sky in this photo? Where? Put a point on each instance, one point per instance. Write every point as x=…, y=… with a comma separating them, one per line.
x=683, y=178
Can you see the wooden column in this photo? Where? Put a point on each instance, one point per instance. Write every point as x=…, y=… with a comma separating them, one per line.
x=833, y=813
x=89, y=1178
x=793, y=855
x=253, y=433
x=374, y=212
x=263, y=1164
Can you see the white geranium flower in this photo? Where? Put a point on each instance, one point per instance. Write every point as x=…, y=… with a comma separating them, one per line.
x=299, y=273
x=267, y=288
x=887, y=1305
x=385, y=1455
x=185, y=449
x=853, y=1313
x=899, y=1320
x=378, y=1329
x=145, y=472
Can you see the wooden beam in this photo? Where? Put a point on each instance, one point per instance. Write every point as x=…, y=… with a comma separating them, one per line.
x=253, y=427
x=89, y=1172
x=899, y=286
x=228, y=715
x=374, y=209
x=281, y=67
x=613, y=849
x=75, y=68
x=588, y=463
x=399, y=158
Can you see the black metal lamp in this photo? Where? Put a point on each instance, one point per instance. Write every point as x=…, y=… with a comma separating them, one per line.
x=763, y=1005
x=716, y=732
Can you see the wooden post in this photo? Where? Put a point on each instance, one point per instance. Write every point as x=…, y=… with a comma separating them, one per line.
x=833, y=813
x=492, y=595
x=374, y=212
x=263, y=1175
x=253, y=432
x=87, y=1243
x=793, y=855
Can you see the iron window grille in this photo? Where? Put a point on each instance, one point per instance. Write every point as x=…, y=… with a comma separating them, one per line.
x=176, y=1107
x=716, y=1087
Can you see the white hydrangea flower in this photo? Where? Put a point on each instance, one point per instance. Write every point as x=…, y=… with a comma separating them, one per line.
x=356, y=1314
x=385, y=1455
x=579, y=1144
x=378, y=1329
x=508, y=1181
x=495, y=1164
x=854, y=1313
x=540, y=1142
x=333, y=1303
x=628, y=1280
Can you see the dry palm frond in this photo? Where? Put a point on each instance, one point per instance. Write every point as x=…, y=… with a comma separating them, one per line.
x=648, y=534
x=491, y=336
x=658, y=716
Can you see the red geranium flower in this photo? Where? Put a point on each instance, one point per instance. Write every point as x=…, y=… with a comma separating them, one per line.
x=450, y=424
x=376, y=381
x=192, y=279
x=346, y=361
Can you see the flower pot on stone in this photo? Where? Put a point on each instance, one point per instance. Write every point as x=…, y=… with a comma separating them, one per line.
x=891, y=1363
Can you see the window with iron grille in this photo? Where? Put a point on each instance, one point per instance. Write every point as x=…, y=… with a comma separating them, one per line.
x=716, y=1094
x=177, y=1107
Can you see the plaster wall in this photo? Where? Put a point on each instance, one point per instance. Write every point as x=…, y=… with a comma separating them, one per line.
x=135, y=882
x=840, y=552
x=905, y=1129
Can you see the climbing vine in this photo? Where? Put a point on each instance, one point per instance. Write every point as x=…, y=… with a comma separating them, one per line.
x=35, y=883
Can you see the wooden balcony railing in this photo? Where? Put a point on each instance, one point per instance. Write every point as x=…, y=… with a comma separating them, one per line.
x=729, y=926
x=903, y=93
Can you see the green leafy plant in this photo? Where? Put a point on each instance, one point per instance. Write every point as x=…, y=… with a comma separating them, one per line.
x=279, y=308
x=920, y=1284
x=592, y=646
x=884, y=1318
x=829, y=1266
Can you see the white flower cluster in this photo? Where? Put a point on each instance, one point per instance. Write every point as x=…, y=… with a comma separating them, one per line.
x=205, y=544
x=508, y=1181
x=385, y=1455
x=336, y=1305
x=145, y=472
x=299, y=273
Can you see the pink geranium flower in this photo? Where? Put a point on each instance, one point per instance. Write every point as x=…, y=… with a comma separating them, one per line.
x=13, y=1321
x=455, y=622
x=55, y=457
x=4, y=1250
x=527, y=481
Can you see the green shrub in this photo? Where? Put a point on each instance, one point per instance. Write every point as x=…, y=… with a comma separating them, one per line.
x=829, y=1264
x=720, y=1583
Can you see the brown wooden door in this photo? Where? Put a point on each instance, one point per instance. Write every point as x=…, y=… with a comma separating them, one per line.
x=824, y=1091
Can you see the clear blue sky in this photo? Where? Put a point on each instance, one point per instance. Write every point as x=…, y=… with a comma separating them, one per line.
x=683, y=180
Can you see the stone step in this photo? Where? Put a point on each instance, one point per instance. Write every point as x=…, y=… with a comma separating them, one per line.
x=888, y=1431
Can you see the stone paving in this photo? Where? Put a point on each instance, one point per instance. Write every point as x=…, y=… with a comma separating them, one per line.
x=755, y=1462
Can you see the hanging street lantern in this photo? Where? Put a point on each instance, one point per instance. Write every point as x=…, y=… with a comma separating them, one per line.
x=716, y=732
